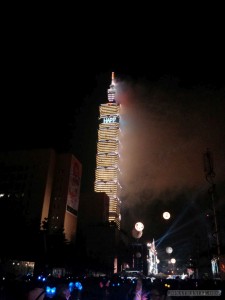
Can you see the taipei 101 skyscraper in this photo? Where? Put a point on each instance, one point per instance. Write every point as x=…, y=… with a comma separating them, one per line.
x=106, y=174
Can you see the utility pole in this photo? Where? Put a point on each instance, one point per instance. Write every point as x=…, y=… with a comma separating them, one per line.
x=210, y=175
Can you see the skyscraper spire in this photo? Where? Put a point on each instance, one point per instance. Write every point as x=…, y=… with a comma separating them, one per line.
x=153, y=244
x=113, y=78
x=112, y=89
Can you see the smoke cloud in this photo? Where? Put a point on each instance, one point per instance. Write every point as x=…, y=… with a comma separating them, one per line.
x=165, y=130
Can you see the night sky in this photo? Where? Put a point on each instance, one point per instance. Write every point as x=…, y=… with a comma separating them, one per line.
x=171, y=87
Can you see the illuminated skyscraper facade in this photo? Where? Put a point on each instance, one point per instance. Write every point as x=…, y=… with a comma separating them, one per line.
x=106, y=174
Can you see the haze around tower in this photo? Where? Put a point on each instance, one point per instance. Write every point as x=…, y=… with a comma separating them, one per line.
x=165, y=130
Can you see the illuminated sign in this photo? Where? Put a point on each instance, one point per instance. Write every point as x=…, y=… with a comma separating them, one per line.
x=110, y=120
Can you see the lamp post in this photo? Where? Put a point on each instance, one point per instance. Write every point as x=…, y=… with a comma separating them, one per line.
x=169, y=250
x=137, y=232
x=173, y=261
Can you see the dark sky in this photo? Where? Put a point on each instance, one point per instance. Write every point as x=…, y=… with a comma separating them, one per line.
x=171, y=86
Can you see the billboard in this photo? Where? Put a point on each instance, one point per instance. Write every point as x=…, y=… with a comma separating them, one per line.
x=74, y=186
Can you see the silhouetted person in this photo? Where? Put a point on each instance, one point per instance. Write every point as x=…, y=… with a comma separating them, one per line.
x=138, y=291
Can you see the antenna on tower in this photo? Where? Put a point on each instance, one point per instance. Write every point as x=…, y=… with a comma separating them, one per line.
x=112, y=89
x=210, y=175
x=208, y=166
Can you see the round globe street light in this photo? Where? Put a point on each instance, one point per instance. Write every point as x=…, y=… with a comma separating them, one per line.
x=166, y=215
x=139, y=226
x=173, y=261
x=169, y=250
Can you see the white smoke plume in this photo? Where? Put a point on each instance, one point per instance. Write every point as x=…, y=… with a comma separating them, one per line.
x=165, y=129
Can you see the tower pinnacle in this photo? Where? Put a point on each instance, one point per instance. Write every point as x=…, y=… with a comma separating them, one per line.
x=113, y=78
x=112, y=89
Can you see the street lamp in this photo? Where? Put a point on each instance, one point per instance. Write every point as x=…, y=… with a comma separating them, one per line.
x=169, y=250
x=166, y=215
x=139, y=226
x=137, y=232
x=173, y=261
